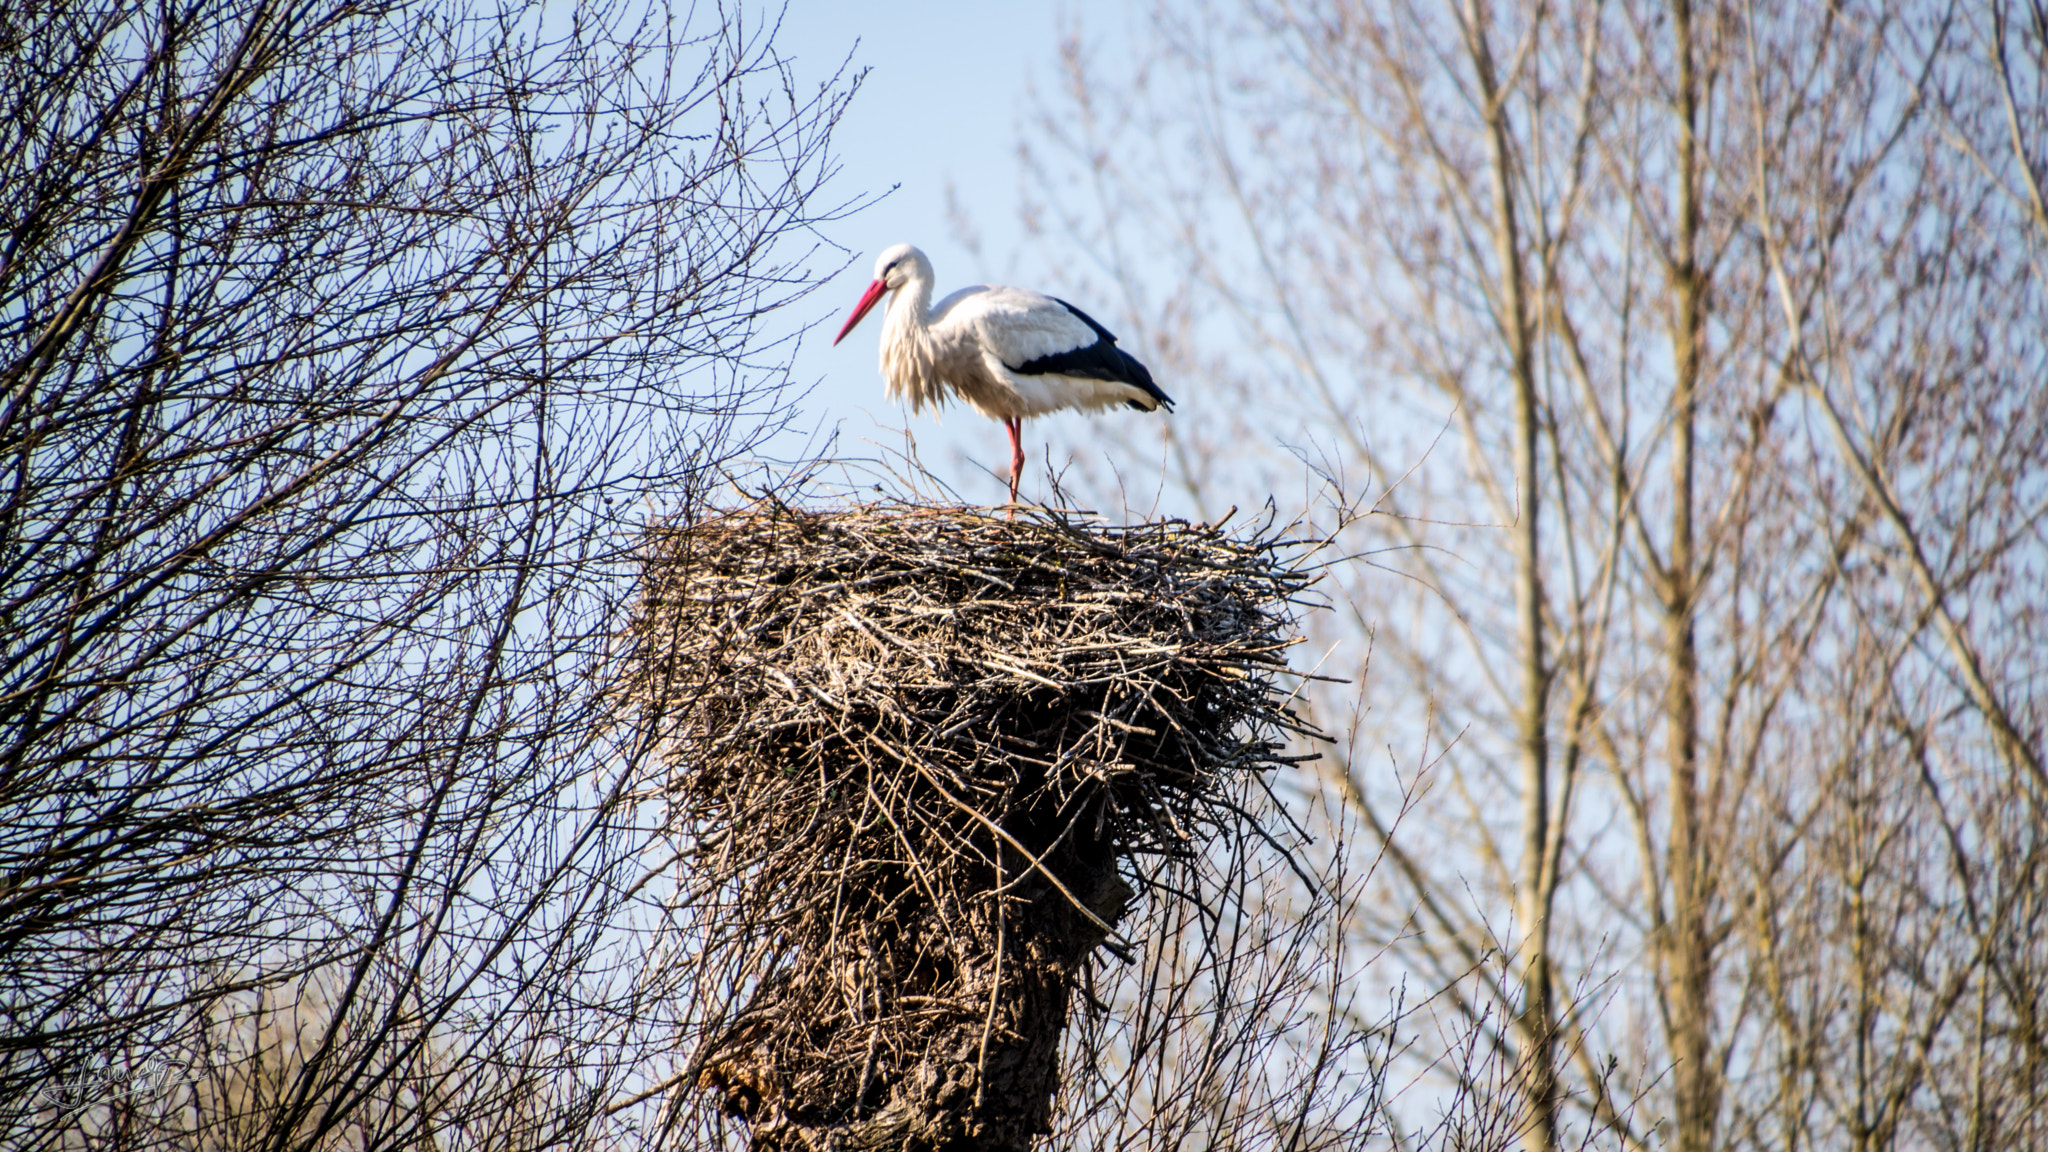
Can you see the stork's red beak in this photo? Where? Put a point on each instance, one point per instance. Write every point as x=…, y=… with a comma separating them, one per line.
x=867, y=301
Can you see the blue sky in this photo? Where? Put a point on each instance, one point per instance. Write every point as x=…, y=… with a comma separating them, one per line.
x=945, y=92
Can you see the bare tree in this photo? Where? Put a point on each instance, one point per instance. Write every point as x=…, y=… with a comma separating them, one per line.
x=344, y=349
x=1687, y=356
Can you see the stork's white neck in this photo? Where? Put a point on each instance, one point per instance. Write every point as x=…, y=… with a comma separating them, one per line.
x=911, y=304
x=910, y=361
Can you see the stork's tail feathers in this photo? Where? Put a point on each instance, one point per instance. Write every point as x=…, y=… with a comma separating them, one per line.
x=1136, y=375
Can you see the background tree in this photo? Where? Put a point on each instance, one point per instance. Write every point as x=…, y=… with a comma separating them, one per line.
x=344, y=349
x=1684, y=360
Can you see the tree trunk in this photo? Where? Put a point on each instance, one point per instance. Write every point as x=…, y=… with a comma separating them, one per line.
x=1536, y=1025
x=1688, y=968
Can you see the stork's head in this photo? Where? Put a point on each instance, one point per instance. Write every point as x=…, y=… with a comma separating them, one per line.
x=896, y=266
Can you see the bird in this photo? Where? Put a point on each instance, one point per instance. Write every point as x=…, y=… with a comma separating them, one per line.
x=1007, y=352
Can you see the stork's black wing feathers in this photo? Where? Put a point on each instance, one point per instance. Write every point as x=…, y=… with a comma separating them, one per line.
x=1102, y=360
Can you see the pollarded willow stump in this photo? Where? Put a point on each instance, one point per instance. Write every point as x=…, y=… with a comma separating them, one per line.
x=923, y=755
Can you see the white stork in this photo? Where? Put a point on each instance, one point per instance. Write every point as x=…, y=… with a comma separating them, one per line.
x=1008, y=352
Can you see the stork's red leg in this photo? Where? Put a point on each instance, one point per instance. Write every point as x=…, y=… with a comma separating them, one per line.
x=1015, y=424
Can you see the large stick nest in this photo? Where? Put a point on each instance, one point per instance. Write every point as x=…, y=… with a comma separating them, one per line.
x=923, y=754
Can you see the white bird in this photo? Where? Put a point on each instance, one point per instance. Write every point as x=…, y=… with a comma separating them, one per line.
x=1008, y=352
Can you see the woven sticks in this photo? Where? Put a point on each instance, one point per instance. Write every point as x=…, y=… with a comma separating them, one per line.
x=921, y=752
